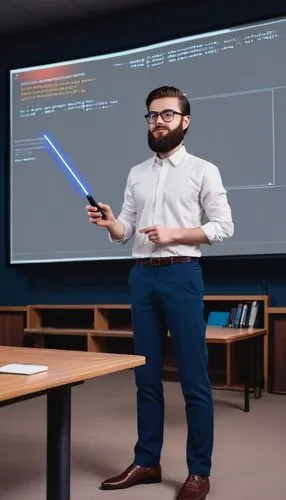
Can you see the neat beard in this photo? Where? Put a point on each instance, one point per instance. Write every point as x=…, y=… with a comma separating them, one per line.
x=166, y=142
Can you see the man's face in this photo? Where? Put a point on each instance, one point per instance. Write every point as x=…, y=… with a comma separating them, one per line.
x=164, y=136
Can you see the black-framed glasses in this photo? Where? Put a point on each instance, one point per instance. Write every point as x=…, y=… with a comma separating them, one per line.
x=167, y=115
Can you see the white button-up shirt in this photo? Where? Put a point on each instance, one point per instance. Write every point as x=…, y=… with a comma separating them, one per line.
x=178, y=192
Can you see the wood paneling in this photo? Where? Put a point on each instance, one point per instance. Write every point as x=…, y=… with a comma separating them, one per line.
x=277, y=352
x=12, y=324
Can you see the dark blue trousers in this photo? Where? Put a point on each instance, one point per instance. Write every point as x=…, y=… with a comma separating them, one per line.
x=170, y=298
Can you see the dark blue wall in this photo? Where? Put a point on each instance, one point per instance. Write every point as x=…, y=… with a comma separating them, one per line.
x=107, y=282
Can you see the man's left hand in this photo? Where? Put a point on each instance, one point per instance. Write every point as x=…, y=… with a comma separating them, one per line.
x=158, y=234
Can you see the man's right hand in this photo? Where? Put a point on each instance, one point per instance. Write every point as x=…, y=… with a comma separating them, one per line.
x=95, y=217
x=113, y=225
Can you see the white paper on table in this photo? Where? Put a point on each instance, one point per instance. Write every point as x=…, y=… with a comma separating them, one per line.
x=23, y=369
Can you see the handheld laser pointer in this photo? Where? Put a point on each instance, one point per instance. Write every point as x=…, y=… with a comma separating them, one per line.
x=90, y=198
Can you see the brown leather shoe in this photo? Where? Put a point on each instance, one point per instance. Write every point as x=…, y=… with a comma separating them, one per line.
x=134, y=474
x=194, y=488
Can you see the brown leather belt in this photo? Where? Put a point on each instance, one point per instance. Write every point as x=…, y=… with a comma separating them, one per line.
x=165, y=261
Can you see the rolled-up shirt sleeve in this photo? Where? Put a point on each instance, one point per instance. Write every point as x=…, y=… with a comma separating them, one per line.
x=215, y=205
x=128, y=213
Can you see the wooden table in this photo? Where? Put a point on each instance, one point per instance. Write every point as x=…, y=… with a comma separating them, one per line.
x=66, y=369
x=250, y=338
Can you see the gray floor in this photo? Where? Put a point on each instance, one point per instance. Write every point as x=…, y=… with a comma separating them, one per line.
x=249, y=460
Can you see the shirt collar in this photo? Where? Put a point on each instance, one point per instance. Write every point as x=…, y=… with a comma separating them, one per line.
x=174, y=159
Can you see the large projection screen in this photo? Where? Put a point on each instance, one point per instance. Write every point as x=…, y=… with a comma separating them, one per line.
x=94, y=111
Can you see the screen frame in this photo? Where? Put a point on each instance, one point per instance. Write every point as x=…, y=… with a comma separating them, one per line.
x=107, y=55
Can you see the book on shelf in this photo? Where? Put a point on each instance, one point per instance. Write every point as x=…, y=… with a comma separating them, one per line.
x=242, y=315
x=218, y=318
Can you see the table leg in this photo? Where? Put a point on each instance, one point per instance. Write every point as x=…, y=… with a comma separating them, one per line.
x=247, y=368
x=258, y=356
x=58, y=443
x=228, y=364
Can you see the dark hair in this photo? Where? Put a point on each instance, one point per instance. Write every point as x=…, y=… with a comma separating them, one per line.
x=166, y=91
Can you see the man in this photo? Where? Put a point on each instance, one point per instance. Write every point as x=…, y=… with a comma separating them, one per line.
x=165, y=200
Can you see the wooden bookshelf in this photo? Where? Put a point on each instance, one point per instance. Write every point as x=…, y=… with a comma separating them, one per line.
x=107, y=327
x=218, y=302
x=64, y=326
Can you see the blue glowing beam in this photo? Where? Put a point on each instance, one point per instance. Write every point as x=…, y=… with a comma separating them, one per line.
x=65, y=164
